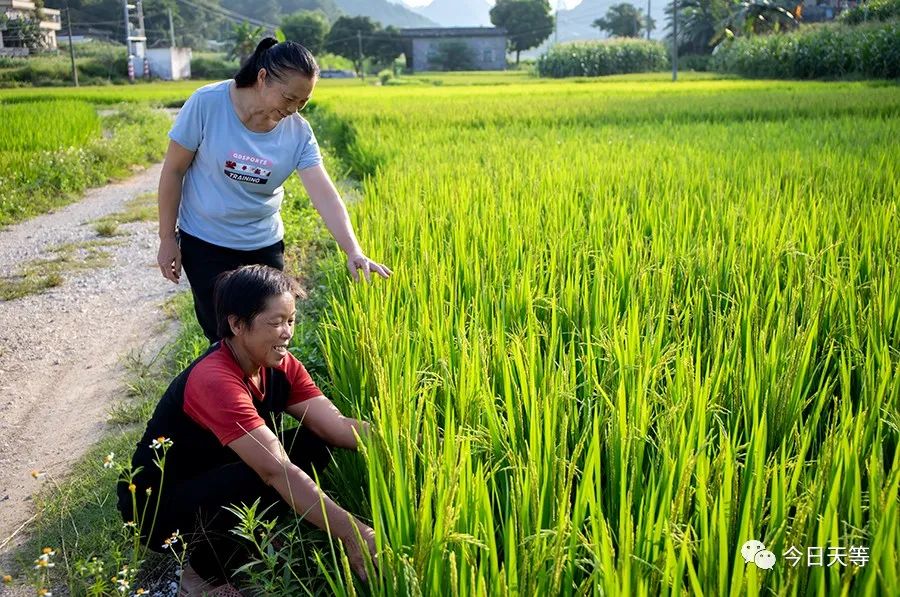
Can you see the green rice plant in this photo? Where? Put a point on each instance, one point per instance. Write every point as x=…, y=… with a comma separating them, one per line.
x=25, y=125
x=53, y=170
x=625, y=335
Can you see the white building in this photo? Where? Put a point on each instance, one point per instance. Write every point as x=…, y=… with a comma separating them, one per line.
x=485, y=46
x=26, y=9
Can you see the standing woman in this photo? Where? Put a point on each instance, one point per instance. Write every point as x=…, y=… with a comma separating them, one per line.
x=232, y=146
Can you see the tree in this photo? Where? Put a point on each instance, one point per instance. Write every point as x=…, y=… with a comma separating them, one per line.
x=244, y=39
x=702, y=24
x=329, y=8
x=452, y=55
x=752, y=17
x=386, y=46
x=24, y=33
x=624, y=20
x=361, y=38
x=527, y=22
x=265, y=11
x=307, y=28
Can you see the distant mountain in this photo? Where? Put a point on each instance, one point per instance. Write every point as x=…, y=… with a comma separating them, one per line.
x=386, y=13
x=458, y=13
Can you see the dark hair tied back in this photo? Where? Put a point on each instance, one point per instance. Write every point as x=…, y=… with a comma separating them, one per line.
x=277, y=58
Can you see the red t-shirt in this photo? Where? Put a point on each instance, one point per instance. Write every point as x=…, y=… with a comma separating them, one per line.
x=219, y=396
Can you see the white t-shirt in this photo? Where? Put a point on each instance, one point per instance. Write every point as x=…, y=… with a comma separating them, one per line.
x=232, y=191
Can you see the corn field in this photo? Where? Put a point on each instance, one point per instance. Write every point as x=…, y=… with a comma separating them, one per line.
x=632, y=326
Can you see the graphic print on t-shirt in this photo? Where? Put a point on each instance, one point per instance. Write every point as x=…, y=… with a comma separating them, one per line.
x=247, y=168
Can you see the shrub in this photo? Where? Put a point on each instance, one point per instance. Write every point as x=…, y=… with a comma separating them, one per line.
x=876, y=10
x=697, y=62
x=385, y=76
x=827, y=51
x=591, y=59
x=213, y=66
x=452, y=55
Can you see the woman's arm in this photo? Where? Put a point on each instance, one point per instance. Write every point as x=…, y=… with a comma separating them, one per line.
x=178, y=160
x=323, y=418
x=327, y=201
x=261, y=451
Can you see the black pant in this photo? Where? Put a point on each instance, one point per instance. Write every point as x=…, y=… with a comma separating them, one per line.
x=195, y=507
x=203, y=262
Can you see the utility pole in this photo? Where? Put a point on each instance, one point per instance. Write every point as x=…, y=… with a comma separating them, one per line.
x=362, y=70
x=674, y=40
x=171, y=28
x=140, y=16
x=648, y=20
x=71, y=47
x=127, y=29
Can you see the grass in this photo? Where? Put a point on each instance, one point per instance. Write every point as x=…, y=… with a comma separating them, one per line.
x=40, y=275
x=106, y=228
x=55, y=169
x=139, y=209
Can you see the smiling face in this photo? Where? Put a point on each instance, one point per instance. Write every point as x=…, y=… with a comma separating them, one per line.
x=282, y=97
x=264, y=340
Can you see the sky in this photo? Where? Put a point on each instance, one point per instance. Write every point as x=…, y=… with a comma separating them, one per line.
x=566, y=3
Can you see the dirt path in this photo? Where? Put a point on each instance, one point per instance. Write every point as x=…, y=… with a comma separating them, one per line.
x=62, y=353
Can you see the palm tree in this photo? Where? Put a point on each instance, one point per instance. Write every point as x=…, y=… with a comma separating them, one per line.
x=243, y=39
x=761, y=16
x=703, y=24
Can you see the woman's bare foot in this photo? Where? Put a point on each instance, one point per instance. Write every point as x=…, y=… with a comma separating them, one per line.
x=194, y=585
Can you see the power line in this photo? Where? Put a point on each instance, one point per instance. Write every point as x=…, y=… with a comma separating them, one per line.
x=232, y=16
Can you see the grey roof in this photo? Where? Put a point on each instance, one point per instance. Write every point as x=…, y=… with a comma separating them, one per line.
x=454, y=32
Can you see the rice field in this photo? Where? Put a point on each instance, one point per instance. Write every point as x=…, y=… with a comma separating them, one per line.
x=632, y=326
x=25, y=125
x=56, y=148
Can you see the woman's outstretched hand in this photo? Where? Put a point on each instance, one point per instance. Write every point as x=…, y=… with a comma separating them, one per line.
x=358, y=261
x=355, y=550
x=169, y=259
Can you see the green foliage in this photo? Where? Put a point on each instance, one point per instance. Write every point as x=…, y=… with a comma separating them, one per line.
x=874, y=10
x=97, y=64
x=527, y=22
x=675, y=308
x=701, y=24
x=704, y=23
x=696, y=62
x=77, y=123
x=213, y=66
x=608, y=57
x=827, y=51
x=194, y=24
x=307, y=28
x=452, y=55
x=244, y=39
x=54, y=167
x=625, y=20
x=359, y=39
x=24, y=33
x=350, y=37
